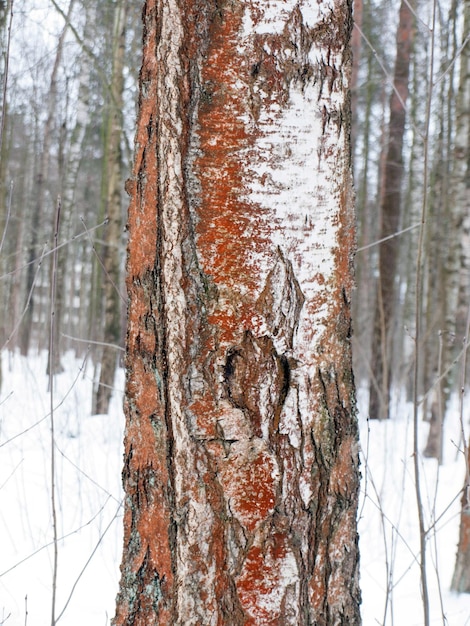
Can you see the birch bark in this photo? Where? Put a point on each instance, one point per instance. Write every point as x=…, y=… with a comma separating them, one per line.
x=241, y=465
x=460, y=178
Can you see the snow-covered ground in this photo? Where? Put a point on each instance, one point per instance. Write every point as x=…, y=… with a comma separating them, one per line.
x=89, y=513
x=89, y=456
x=388, y=522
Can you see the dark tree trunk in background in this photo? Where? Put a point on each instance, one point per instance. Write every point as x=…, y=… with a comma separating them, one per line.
x=390, y=210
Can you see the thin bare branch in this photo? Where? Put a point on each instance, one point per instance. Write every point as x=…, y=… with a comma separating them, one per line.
x=418, y=322
x=100, y=261
x=49, y=252
x=379, y=241
x=454, y=60
x=386, y=73
x=51, y=397
x=96, y=64
x=96, y=343
x=7, y=221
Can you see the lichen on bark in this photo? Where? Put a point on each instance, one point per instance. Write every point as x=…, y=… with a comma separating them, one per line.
x=241, y=441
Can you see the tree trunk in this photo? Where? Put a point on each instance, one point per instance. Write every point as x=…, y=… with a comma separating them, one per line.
x=460, y=178
x=70, y=185
x=356, y=56
x=442, y=277
x=363, y=140
x=381, y=364
x=112, y=247
x=241, y=465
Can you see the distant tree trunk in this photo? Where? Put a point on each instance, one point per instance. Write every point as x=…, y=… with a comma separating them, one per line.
x=442, y=277
x=73, y=159
x=113, y=233
x=390, y=220
x=241, y=465
x=5, y=34
x=4, y=57
x=460, y=184
x=356, y=52
x=461, y=177
x=363, y=141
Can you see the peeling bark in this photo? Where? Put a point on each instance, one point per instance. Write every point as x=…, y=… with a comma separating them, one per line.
x=241, y=464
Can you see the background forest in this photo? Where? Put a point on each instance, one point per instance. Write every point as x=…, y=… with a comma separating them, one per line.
x=68, y=72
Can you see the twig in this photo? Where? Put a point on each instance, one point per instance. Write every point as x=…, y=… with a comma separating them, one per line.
x=97, y=343
x=48, y=545
x=88, y=561
x=61, y=245
x=463, y=435
x=87, y=476
x=12, y=473
x=51, y=395
x=115, y=287
x=28, y=300
x=379, y=241
x=7, y=221
x=26, y=430
x=452, y=63
x=385, y=71
x=418, y=307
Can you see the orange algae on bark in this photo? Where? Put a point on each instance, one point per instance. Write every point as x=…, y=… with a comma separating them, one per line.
x=240, y=455
x=227, y=225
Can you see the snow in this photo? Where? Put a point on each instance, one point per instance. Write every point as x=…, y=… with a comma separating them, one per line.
x=89, y=457
x=89, y=512
x=388, y=522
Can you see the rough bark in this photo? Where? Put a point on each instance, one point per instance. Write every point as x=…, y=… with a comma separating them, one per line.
x=241, y=465
x=390, y=204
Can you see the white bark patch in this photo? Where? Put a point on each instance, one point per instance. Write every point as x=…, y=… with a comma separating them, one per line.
x=290, y=178
x=270, y=16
